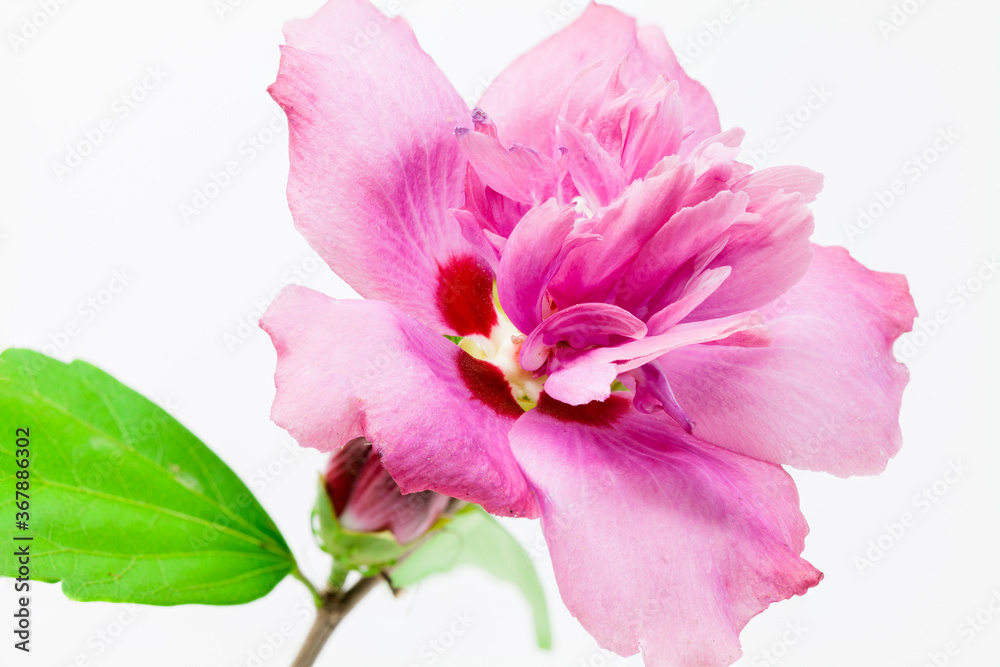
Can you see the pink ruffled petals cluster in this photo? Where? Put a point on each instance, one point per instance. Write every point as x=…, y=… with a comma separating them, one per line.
x=646, y=333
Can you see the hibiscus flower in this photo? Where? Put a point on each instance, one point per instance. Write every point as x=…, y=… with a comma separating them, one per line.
x=645, y=332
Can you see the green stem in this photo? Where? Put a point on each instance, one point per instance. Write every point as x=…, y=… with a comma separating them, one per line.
x=335, y=606
x=317, y=598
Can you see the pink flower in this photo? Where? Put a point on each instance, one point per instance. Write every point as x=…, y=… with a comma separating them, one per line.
x=366, y=499
x=668, y=336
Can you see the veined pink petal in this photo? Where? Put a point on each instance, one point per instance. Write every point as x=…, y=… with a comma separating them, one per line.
x=581, y=383
x=342, y=470
x=372, y=177
x=766, y=257
x=650, y=283
x=581, y=326
x=659, y=541
x=493, y=211
x=636, y=128
x=590, y=273
x=366, y=499
x=694, y=293
x=655, y=129
x=826, y=394
x=634, y=353
x=762, y=184
x=700, y=115
x=376, y=504
x=529, y=95
x=438, y=417
x=519, y=173
x=570, y=383
x=536, y=249
x=715, y=166
x=652, y=391
x=609, y=122
x=595, y=173
x=476, y=236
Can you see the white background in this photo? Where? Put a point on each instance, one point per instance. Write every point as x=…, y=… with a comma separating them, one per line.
x=190, y=283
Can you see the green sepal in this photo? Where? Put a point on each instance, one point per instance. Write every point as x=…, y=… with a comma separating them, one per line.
x=367, y=553
x=474, y=537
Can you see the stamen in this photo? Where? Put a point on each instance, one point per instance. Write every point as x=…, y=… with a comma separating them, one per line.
x=502, y=349
x=580, y=203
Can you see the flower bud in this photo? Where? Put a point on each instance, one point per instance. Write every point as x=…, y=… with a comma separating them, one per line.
x=366, y=499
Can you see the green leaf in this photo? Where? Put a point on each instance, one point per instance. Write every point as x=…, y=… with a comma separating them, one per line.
x=368, y=553
x=474, y=537
x=126, y=505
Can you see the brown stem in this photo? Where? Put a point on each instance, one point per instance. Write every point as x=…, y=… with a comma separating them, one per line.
x=336, y=605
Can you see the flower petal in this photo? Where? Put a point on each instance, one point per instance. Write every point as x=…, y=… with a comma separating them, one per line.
x=700, y=115
x=533, y=254
x=527, y=97
x=579, y=377
x=715, y=165
x=518, y=173
x=493, y=212
x=376, y=504
x=655, y=129
x=749, y=326
x=694, y=293
x=372, y=176
x=762, y=184
x=591, y=272
x=582, y=326
x=438, y=417
x=771, y=255
x=650, y=282
x=581, y=383
x=826, y=394
x=652, y=392
x=596, y=175
x=660, y=542
x=767, y=257
x=342, y=471
x=476, y=236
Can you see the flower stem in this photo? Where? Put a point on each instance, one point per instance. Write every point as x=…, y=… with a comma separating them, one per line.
x=335, y=606
x=308, y=584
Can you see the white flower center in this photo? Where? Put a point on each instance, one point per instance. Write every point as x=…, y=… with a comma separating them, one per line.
x=502, y=349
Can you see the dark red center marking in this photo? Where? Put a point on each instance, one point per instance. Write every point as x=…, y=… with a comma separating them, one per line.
x=604, y=413
x=488, y=385
x=465, y=296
